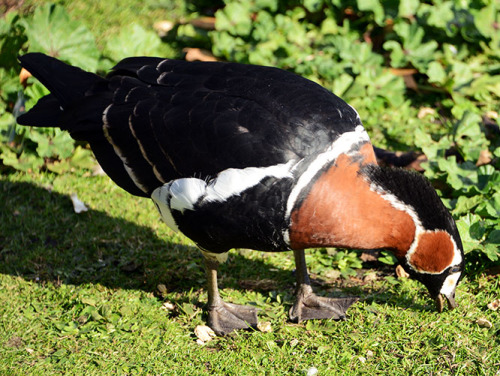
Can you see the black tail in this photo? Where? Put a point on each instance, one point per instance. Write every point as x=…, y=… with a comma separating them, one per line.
x=66, y=83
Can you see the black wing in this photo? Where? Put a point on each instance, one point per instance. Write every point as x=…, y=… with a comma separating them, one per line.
x=155, y=120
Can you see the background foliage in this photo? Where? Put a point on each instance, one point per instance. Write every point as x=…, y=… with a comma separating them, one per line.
x=113, y=290
x=422, y=75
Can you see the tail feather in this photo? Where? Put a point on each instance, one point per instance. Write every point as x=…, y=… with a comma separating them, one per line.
x=67, y=83
x=70, y=107
x=45, y=113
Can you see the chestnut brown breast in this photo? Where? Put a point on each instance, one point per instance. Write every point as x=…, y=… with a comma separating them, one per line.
x=341, y=210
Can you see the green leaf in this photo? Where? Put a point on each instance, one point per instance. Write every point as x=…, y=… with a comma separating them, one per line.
x=234, y=18
x=486, y=20
x=494, y=237
x=313, y=5
x=398, y=56
x=272, y=5
x=134, y=40
x=436, y=73
x=51, y=31
x=441, y=14
x=492, y=251
x=465, y=204
x=342, y=83
x=464, y=225
x=408, y=8
x=388, y=258
x=373, y=6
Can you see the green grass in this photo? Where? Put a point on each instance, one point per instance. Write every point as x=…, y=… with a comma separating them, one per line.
x=78, y=295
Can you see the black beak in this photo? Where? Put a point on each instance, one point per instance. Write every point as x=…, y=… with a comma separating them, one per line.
x=451, y=302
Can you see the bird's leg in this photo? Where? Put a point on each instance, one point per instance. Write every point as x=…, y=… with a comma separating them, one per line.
x=308, y=305
x=224, y=317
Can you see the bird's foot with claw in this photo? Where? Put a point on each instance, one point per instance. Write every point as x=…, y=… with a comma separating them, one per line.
x=309, y=306
x=227, y=317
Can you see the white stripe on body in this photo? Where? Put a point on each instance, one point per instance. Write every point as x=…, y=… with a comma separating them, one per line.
x=183, y=194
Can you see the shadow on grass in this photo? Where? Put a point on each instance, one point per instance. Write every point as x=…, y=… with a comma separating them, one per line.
x=42, y=239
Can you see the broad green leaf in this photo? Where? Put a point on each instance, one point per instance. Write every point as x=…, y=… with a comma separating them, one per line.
x=494, y=237
x=342, y=83
x=441, y=14
x=272, y=5
x=492, y=251
x=51, y=31
x=487, y=19
x=408, y=8
x=388, y=258
x=398, y=57
x=313, y=5
x=373, y=6
x=234, y=18
x=465, y=204
x=464, y=225
x=436, y=73
x=134, y=40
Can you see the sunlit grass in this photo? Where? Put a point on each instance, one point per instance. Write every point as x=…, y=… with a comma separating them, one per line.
x=79, y=295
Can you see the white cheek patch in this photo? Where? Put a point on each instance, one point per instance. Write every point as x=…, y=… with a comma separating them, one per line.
x=457, y=257
x=450, y=283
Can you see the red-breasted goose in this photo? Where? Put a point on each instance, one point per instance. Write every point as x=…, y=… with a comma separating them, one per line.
x=242, y=156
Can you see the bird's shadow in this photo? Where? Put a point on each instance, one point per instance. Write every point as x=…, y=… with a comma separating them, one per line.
x=42, y=239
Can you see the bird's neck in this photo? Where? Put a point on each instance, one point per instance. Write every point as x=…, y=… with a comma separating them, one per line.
x=342, y=210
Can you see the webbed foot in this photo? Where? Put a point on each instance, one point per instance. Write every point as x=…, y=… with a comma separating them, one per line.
x=224, y=317
x=309, y=306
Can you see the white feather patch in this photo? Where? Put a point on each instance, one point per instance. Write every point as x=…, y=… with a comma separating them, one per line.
x=160, y=197
x=183, y=194
x=450, y=284
x=233, y=181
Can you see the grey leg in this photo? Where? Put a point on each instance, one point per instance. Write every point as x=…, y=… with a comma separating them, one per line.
x=224, y=317
x=310, y=306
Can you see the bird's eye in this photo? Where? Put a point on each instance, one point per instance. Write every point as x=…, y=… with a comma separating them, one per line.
x=455, y=269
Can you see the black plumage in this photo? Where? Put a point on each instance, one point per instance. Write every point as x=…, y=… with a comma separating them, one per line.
x=197, y=119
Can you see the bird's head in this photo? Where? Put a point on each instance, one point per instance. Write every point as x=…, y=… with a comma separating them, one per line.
x=436, y=259
x=435, y=256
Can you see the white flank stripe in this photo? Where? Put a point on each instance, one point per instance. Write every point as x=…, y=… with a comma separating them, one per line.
x=342, y=145
x=118, y=151
x=143, y=152
x=233, y=181
x=183, y=194
x=160, y=197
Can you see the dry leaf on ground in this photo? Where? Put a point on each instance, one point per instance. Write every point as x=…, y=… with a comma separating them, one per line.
x=204, y=334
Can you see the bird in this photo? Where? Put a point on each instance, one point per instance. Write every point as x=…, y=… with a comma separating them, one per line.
x=245, y=156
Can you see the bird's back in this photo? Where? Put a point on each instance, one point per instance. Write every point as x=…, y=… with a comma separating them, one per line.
x=154, y=120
